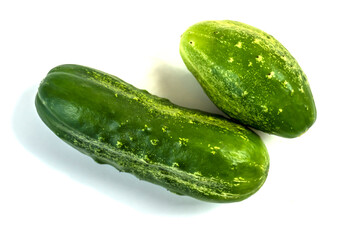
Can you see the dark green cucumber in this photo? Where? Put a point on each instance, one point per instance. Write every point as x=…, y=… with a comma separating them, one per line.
x=186, y=151
x=250, y=76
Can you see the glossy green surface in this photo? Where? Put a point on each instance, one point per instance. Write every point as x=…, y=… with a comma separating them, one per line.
x=186, y=151
x=250, y=76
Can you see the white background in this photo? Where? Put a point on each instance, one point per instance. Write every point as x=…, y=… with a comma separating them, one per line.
x=50, y=191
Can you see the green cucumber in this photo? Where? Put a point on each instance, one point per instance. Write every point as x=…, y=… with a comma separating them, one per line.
x=250, y=76
x=187, y=151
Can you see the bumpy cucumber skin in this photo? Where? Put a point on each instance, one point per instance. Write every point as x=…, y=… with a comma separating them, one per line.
x=250, y=76
x=189, y=152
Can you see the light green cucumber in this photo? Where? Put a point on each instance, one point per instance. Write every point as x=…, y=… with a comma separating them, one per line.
x=250, y=76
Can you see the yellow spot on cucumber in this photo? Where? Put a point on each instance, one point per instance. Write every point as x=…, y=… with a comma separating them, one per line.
x=146, y=127
x=259, y=58
x=270, y=75
x=154, y=141
x=265, y=108
x=239, y=45
x=183, y=141
x=239, y=179
x=231, y=60
x=100, y=139
x=256, y=41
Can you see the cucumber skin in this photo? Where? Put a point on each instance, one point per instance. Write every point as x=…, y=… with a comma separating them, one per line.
x=189, y=152
x=250, y=76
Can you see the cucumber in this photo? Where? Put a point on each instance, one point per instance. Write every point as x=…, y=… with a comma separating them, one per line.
x=187, y=151
x=250, y=76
